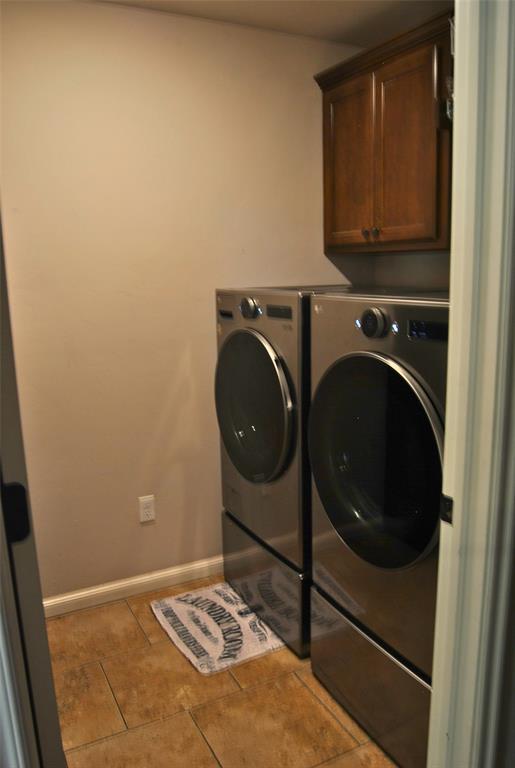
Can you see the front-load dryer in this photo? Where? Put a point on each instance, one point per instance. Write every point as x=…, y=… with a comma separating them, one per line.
x=262, y=394
x=376, y=444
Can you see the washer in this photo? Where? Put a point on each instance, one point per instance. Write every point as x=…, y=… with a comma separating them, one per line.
x=262, y=394
x=376, y=432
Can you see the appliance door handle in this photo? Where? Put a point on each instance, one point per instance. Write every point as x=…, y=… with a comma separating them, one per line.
x=16, y=512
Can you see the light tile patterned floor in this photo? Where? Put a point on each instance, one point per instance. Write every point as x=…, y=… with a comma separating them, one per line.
x=129, y=699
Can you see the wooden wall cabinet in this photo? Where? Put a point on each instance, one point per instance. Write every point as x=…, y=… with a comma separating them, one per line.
x=387, y=146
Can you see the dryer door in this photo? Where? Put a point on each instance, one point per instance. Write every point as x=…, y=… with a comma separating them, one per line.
x=375, y=443
x=254, y=406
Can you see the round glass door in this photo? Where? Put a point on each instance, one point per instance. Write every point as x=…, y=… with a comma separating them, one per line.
x=375, y=443
x=254, y=406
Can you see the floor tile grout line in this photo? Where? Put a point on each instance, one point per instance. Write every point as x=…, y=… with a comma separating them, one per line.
x=149, y=645
x=166, y=640
x=97, y=741
x=183, y=709
x=369, y=743
x=140, y=625
x=142, y=726
x=114, y=696
x=205, y=739
x=137, y=622
x=319, y=700
x=229, y=670
x=191, y=710
x=100, y=659
x=241, y=690
x=209, y=701
x=293, y=673
x=165, y=718
x=340, y=754
x=282, y=673
x=87, y=744
x=360, y=743
x=111, y=735
x=123, y=733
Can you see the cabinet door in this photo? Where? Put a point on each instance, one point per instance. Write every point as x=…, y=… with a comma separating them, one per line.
x=406, y=148
x=348, y=161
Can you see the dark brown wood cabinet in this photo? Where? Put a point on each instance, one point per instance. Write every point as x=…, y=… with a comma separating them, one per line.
x=387, y=146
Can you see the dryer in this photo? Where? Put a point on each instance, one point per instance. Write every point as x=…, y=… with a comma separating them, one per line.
x=262, y=393
x=376, y=432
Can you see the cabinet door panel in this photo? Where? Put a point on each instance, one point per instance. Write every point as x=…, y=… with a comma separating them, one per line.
x=406, y=147
x=348, y=160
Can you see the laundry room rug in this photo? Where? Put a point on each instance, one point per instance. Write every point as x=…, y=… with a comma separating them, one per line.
x=214, y=628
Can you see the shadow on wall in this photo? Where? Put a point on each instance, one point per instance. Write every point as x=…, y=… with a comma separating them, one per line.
x=417, y=271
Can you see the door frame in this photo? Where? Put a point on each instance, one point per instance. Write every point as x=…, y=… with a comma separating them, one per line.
x=18, y=741
x=476, y=558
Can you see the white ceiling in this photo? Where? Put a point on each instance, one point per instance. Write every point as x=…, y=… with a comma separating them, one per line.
x=356, y=22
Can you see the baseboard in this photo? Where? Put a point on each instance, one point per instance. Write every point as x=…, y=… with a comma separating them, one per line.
x=117, y=590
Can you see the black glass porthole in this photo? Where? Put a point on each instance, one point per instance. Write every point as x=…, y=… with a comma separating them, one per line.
x=375, y=450
x=254, y=406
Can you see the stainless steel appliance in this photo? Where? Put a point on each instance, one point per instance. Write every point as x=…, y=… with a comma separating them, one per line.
x=376, y=444
x=262, y=394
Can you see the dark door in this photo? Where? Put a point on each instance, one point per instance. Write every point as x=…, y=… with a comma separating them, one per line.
x=375, y=445
x=25, y=620
x=406, y=136
x=348, y=161
x=254, y=406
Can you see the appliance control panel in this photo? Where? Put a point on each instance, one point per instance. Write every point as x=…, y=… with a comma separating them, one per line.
x=375, y=323
x=255, y=308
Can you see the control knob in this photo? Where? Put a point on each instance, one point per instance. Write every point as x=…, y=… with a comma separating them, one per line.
x=249, y=308
x=374, y=323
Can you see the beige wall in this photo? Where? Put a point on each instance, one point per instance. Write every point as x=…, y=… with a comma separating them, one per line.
x=146, y=160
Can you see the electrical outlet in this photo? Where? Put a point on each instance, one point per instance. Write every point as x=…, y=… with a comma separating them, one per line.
x=147, y=509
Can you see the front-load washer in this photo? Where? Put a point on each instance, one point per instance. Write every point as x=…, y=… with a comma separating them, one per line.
x=262, y=393
x=376, y=444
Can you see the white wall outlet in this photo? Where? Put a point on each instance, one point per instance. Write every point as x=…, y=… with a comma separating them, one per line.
x=147, y=508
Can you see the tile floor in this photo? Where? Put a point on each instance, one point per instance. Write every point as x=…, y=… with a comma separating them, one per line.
x=128, y=699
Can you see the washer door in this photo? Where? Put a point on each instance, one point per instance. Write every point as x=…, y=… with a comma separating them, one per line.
x=375, y=443
x=254, y=406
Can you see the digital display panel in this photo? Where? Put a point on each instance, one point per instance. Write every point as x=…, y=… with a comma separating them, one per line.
x=428, y=330
x=279, y=311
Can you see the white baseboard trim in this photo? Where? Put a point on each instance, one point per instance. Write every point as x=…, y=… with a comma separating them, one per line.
x=118, y=590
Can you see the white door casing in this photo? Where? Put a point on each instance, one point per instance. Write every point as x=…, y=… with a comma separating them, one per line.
x=476, y=551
